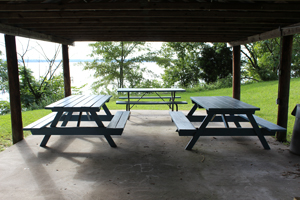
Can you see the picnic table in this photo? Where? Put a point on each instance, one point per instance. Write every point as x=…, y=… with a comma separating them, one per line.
x=223, y=109
x=167, y=100
x=80, y=108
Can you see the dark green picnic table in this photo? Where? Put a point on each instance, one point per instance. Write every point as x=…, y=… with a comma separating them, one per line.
x=223, y=109
x=144, y=91
x=80, y=108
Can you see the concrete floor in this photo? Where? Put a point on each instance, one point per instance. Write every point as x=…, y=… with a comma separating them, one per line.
x=149, y=163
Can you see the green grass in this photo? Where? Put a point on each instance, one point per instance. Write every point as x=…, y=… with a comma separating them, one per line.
x=5, y=125
x=262, y=95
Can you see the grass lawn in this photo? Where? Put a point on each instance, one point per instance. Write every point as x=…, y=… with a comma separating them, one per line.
x=262, y=95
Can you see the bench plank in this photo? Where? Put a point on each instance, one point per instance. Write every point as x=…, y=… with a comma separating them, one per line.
x=149, y=97
x=151, y=102
x=41, y=122
x=265, y=124
x=119, y=120
x=182, y=123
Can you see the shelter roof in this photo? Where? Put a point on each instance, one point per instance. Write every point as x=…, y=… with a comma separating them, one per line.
x=233, y=21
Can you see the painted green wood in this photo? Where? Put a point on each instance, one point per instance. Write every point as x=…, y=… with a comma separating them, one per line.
x=182, y=123
x=119, y=120
x=88, y=104
x=265, y=124
x=148, y=97
x=151, y=90
x=76, y=131
x=41, y=122
x=151, y=102
x=228, y=132
x=227, y=109
x=224, y=105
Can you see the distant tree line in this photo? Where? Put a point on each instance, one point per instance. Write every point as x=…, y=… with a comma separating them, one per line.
x=185, y=64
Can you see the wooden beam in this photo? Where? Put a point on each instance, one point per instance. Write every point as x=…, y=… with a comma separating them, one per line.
x=211, y=14
x=236, y=72
x=145, y=5
x=188, y=20
x=15, y=31
x=66, y=69
x=14, y=88
x=37, y=27
x=284, y=85
x=285, y=31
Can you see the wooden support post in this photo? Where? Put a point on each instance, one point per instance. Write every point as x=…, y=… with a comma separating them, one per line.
x=284, y=85
x=14, y=88
x=66, y=69
x=236, y=72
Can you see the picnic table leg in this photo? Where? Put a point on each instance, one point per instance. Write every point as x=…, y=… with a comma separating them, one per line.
x=56, y=119
x=110, y=141
x=194, y=108
x=100, y=124
x=79, y=119
x=203, y=125
x=68, y=117
x=258, y=132
x=236, y=122
x=128, y=105
x=106, y=110
x=53, y=124
x=225, y=120
x=45, y=140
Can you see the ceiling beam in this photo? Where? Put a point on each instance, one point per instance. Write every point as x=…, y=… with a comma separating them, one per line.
x=261, y=27
x=151, y=20
x=145, y=5
x=285, y=31
x=10, y=30
x=149, y=13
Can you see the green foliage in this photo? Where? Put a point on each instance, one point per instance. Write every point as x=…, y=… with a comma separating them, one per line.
x=215, y=62
x=180, y=62
x=37, y=94
x=263, y=59
x=5, y=125
x=3, y=74
x=4, y=107
x=188, y=62
x=117, y=64
x=218, y=84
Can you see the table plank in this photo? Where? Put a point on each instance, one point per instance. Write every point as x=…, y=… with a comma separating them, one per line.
x=65, y=101
x=101, y=101
x=151, y=90
x=224, y=104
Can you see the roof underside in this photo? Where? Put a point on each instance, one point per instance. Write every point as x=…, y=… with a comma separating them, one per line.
x=230, y=21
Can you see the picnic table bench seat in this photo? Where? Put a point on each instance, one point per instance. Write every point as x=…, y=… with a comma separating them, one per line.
x=152, y=103
x=150, y=97
x=41, y=123
x=186, y=128
x=268, y=127
x=40, y=127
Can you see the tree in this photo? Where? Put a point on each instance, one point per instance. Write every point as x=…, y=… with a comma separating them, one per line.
x=49, y=87
x=263, y=59
x=215, y=62
x=3, y=75
x=117, y=64
x=180, y=62
x=189, y=62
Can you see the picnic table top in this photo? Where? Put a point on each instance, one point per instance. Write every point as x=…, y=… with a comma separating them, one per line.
x=79, y=103
x=151, y=90
x=223, y=104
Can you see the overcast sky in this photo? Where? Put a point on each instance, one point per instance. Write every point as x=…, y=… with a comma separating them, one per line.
x=80, y=51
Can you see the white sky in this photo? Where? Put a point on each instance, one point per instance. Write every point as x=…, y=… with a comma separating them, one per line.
x=80, y=51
